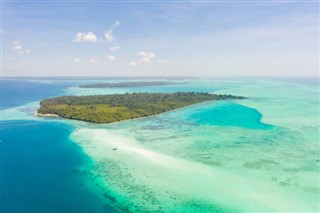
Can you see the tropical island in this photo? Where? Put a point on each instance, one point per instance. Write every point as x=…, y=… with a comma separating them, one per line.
x=126, y=84
x=118, y=107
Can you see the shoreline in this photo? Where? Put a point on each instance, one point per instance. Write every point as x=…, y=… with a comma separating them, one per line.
x=46, y=115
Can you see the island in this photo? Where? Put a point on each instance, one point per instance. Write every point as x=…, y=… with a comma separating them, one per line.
x=118, y=107
x=126, y=84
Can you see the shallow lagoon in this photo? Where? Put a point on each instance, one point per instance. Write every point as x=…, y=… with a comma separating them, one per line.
x=259, y=154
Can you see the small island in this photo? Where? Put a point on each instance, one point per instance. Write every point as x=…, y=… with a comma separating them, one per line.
x=118, y=107
x=126, y=84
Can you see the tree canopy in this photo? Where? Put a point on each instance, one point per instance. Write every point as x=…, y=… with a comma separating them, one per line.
x=112, y=108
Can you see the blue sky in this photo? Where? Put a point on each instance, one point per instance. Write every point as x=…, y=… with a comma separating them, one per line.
x=51, y=38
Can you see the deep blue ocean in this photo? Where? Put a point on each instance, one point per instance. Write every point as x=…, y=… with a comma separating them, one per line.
x=40, y=166
x=19, y=92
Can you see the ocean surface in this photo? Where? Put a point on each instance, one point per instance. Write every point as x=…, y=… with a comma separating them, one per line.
x=260, y=154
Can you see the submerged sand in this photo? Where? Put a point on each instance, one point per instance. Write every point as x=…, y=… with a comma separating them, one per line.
x=153, y=181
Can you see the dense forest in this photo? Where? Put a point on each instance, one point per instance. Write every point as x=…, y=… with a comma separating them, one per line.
x=125, y=84
x=112, y=108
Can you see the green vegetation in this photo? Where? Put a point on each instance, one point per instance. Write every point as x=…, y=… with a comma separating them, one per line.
x=125, y=84
x=112, y=108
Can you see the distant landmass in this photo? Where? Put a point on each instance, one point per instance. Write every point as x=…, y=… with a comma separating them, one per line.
x=118, y=107
x=126, y=84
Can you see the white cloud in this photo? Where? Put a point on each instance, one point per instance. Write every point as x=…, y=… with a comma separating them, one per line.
x=92, y=38
x=85, y=37
x=146, y=57
x=109, y=35
x=116, y=24
x=112, y=58
x=76, y=60
x=112, y=49
x=93, y=61
x=19, y=49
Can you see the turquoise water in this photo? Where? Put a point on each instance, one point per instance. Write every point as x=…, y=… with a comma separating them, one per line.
x=229, y=114
x=260, y=154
